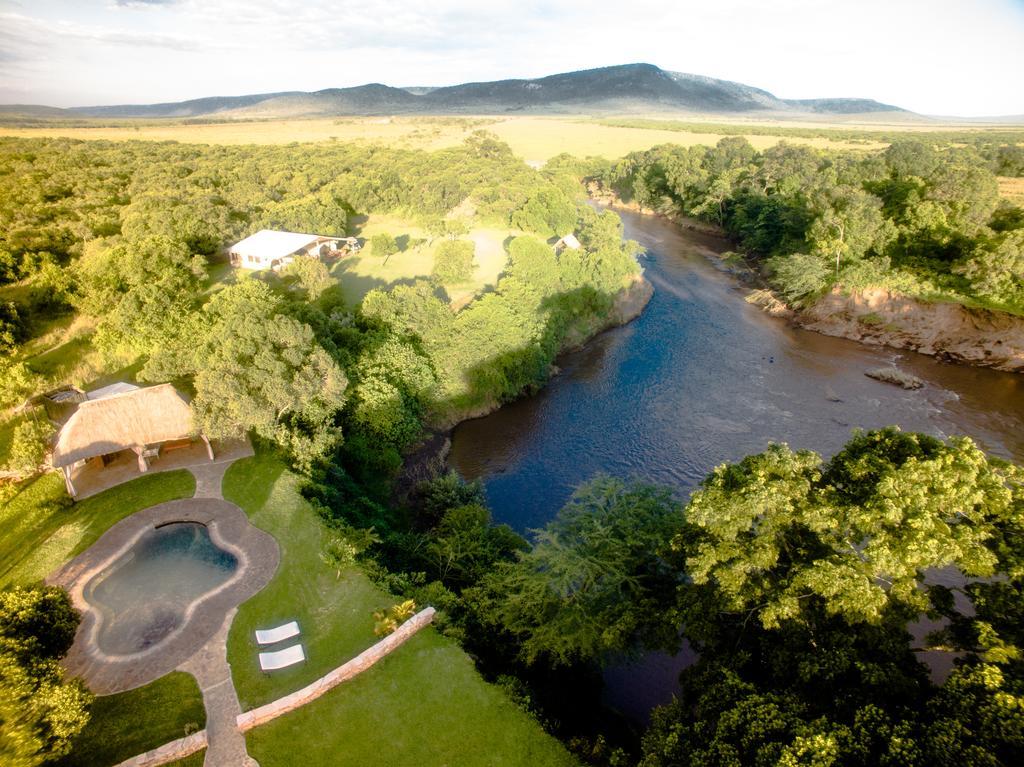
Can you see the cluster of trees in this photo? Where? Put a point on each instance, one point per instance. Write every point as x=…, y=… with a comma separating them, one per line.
x=920, y=218
x=128, y=237
x=793, y=577
x=40, y=710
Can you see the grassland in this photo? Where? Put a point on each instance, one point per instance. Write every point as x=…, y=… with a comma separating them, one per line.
x=534, y=139
x=1012, y=189
x=130, y=723
x=39, y=531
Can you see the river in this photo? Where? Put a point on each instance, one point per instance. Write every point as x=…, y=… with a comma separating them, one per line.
x=702, y=377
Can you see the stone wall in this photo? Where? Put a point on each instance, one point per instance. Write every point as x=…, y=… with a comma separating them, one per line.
x=169, y=752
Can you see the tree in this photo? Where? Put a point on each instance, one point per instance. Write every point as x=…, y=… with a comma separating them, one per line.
x=30, y=444
x=782, y=530
x=453, y=261
x=466, y=545
x=596, y=580
x=260, y=369
x=383, y=244
x=308, y=275
x=140, y=289
x=40, y=711
x=12, y=328
x=848, y=225
x=996, y=268
x=800, y=277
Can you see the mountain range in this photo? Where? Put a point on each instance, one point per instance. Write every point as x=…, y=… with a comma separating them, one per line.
x=617, y=89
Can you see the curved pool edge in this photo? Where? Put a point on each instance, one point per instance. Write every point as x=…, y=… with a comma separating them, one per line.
x=258, y=557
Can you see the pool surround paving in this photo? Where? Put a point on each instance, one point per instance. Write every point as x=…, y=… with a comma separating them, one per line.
x=258, y=556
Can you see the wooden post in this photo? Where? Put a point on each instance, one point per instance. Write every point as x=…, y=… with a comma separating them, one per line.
x=66, y=471
x=143, y=463
x=209, y=447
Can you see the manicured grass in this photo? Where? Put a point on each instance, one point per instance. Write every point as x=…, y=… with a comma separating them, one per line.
x=39, y=532
x=425, y=704
x=130, y=723
x=333, y=613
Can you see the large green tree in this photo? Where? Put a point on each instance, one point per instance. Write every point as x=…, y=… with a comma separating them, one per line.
x=259, y=369
x=40, y=710
x=597, y=580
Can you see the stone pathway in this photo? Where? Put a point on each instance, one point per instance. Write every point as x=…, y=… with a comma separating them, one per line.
x=209, y=477
x=210, y=667
x=225, y=742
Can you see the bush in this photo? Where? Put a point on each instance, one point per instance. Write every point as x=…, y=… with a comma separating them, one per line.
x=453, y=261
x=30, y=444
x=800, y=276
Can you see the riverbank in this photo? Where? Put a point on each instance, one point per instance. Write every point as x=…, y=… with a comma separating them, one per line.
x=429, y=457
x=878, y=316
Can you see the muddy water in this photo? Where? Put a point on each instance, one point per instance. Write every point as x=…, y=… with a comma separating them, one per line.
x=701, y=378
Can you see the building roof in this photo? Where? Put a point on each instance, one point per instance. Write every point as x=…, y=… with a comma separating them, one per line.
x=109, y=391
x=269, y=244
x=570, y=241
x=121, y=421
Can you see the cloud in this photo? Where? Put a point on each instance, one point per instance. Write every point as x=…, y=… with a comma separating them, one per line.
x=142, y=3
x=24, y=37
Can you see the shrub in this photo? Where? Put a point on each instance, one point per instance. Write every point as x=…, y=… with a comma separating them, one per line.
x=30, y=444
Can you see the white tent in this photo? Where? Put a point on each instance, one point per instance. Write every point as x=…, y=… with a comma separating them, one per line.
x=269, y=249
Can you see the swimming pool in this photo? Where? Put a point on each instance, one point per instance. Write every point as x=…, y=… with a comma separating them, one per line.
x=144, y=597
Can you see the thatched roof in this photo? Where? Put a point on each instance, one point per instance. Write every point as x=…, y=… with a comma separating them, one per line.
x=121, y=421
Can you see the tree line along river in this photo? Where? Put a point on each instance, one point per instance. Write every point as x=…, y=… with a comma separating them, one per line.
x=702, y=377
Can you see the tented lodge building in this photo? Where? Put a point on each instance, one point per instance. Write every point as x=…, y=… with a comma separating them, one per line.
x=272, y=249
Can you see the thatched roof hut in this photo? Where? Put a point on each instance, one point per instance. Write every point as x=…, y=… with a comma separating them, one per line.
x=134, y=420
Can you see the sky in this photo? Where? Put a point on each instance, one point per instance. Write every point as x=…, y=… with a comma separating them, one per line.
x=937, y=57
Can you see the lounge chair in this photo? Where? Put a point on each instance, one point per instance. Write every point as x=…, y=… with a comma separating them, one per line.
x=278, y=634
x=271, y=661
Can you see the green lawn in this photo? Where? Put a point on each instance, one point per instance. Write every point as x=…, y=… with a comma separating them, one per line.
x=39, y=532
x=130, y=723
x=423, y=705
x=333, y=613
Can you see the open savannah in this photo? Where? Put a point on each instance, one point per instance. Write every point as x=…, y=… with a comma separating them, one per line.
x=448, y=393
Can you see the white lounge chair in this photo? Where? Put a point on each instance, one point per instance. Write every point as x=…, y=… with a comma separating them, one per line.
x=279, y=634
x=271, y=661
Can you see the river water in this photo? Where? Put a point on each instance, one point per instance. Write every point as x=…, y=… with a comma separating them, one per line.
x=700, y=378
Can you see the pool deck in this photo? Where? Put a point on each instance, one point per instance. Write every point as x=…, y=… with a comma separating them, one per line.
x=92, y=478
x=258, y=556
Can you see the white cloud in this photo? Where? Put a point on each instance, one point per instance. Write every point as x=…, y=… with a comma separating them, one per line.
x=934, y=56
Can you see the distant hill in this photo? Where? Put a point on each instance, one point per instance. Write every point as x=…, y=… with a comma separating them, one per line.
x=625, y=88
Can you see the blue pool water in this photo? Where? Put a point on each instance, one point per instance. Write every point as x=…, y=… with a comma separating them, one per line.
x=143, y=597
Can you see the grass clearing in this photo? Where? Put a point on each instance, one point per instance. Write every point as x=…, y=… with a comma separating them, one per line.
x=360, y=273
x=334, y=613
x=130, y=723
x=424, y=705
x=1012, y=189
x=39, y=532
